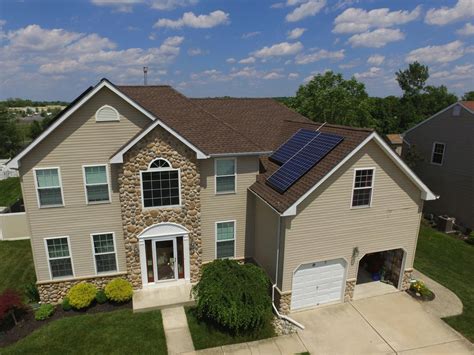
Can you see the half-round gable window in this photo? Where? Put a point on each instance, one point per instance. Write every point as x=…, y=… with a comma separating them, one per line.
x=107, y=113
x=159, y=163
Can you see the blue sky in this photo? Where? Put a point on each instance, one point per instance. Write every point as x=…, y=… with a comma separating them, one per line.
x=55, y=49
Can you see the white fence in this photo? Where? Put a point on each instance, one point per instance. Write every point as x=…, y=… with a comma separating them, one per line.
x=14, y=226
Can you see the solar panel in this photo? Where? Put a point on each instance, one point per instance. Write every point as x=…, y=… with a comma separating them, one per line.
x=293, y=145
x=303, y=161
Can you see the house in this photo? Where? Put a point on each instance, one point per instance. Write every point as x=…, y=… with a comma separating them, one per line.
x=145, y=183
x=396, y=141
x=446, y=149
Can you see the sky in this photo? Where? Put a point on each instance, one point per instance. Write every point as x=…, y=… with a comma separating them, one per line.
x=54, y=50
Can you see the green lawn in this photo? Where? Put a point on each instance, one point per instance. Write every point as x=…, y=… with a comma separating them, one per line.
x=118, y=332
x=450, y=262
x=207, y=336
x=16, y=264
x=10, y=191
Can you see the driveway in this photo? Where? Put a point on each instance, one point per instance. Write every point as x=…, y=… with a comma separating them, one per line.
x=387, y=324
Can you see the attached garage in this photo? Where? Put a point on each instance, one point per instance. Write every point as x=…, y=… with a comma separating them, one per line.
x=318, y=283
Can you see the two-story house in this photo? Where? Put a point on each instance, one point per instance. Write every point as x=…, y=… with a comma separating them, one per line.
x=144, y=183
x=445, y=147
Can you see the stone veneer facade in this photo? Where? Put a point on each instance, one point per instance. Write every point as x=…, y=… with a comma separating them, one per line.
x=159, y=144
x=349, y=290
x=283, y=301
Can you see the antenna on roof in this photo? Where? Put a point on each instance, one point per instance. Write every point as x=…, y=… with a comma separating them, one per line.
x=145, y=76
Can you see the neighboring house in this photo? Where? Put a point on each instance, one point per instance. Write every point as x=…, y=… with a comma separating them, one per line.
x=6, y=172
x=144, y=183
x=446, y=145
x=396, y=142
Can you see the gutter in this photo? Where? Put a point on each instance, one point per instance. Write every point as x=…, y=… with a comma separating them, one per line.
x=219, y=155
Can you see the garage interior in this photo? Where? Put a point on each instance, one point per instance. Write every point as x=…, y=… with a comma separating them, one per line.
x=379, y=273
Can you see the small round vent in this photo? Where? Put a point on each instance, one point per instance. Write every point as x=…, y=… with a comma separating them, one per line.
x=107, y=113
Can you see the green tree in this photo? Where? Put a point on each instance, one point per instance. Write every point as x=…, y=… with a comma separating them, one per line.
x=468, y=96
x=385, y=111
x=330, y=98
x=10, y=138
x=436, y=98
x=413, y=79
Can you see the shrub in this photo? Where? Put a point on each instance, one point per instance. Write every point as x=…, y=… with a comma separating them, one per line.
x=119, y=290
x=10, y=302
x=31, y=292
x=66, y=305
x=419, y=286
x=45, y=311
x=234, y=296
x=100, y=297
x=81, y=295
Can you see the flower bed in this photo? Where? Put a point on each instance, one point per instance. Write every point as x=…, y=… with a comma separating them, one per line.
x=420, y=291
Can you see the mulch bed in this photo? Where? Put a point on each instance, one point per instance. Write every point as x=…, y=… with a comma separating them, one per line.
x=420, y=297
x=9, y=333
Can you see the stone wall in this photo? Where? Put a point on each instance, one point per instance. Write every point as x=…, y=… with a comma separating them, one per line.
x=54, y=292
x=283, y=301
x=349, y=290
x=159, y=144
x=406, y=279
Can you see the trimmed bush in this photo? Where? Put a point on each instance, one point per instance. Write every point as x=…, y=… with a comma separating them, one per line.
x=66, y=305
x=100, y=297
x=45, y=311
x=234, y=296
x=81, y=295
x=119, y=290
x=31, y=292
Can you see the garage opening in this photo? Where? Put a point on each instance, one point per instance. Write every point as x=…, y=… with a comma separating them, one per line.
x=379, y=273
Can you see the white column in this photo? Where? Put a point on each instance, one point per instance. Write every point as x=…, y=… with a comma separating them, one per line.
x=187, y=264
x=141, y=247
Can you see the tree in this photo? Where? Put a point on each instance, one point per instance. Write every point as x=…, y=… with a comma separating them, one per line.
x=330, y=98
x=468, y=96
x=386, y=113
x=10, y=138
x=436, y=98
x=412, y=80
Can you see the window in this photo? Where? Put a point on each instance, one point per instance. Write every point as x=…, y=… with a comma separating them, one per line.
x=59, y=257
x=363, y=185
x=107, y=113
x=225, y=175
x=104, y=252
x=456, y=110
x=438, y=153
x=96, y=181
x=161, y=185
x=48, y=186
x=225, y=239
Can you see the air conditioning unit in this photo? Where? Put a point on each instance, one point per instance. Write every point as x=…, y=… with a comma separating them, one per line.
x=446, y=224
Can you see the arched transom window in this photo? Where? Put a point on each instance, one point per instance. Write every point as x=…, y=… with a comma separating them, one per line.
x=161, y=185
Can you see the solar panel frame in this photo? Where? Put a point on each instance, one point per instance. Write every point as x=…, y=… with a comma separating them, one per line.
x=308, y=156
x=293, y=145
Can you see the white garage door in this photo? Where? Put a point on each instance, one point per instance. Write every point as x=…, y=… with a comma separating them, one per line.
x=318, y=283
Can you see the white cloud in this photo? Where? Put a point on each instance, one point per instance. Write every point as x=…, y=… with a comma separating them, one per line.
x=355, y=20
x=277, y=5
x=152, y=36
x=377, y=38
x=127, y=5
x=296, y=33
x=118, y=5
x=309, y=8
x=249, y=60
x=230, y=60
x=319, y=55
x=467, y=30
x=273, y=76
x=293, y=76
x=348, y=65
x=170, y=4
x=376, y=59
x=438, y=54
x=373, y=72
x=251, y=34
x=189, y=19
x=195, y=51
x=279, y=49
x=459, y=72
x=463, y=9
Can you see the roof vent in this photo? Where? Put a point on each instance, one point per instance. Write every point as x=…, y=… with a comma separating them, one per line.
x=107, y=113
x=457, y=110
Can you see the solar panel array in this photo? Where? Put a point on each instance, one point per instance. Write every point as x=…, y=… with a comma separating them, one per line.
x=301, y=162
x=293, y=145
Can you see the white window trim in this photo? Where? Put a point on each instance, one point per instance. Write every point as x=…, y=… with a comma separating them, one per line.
x=107, y=106
x=60, y=186
x=45, y=240
x=114, y=252
x=359, y=188
x=433, y=152
x=160, y=169
x=85, y=184
x=234, y=175
x=166, y=160
x=235, y=238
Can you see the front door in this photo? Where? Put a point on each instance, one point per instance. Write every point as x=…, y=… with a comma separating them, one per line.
x=166, y=265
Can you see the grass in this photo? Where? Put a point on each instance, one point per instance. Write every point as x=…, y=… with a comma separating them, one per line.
x=10, y=191
x=118, y=332
x=449, y=261
x=16, y=264
x=206, y=335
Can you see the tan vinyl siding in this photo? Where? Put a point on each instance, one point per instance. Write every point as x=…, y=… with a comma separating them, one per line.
x=326, y=227
x=453, y=181
x=14, y=226
x=226, y=207
x=78, y=141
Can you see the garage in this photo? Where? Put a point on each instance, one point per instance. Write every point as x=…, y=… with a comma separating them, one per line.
x=318, y=283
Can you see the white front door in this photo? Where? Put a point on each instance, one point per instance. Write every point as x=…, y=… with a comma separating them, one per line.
x=318, y=283
x=165, y=256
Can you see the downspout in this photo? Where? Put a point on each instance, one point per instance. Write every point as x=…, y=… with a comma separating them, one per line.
x=279, y=315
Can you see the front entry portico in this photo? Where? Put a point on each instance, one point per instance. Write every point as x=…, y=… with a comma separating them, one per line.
x=164, y=254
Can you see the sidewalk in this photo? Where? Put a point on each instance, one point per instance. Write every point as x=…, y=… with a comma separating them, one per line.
x=175, y=324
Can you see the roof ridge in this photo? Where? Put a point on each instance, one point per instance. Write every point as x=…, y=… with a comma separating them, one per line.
x=232, y=98
x=145, y=86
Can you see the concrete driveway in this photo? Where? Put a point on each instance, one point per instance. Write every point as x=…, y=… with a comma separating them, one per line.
x=387, y=324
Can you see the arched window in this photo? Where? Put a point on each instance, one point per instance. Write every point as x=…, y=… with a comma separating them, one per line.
x=161, y=185
x=107, y=113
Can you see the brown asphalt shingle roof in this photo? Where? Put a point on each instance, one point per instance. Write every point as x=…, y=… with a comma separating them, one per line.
x=468, y=104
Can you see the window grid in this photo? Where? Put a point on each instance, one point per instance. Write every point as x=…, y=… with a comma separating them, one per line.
x=97, y=191
x=104, y=252
x=225, y=239
x=438, y=153
x=161, y=187
x=225, y=175
x=59, y=257
x=159, y=163
x=362, y=190
x=48, y=186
